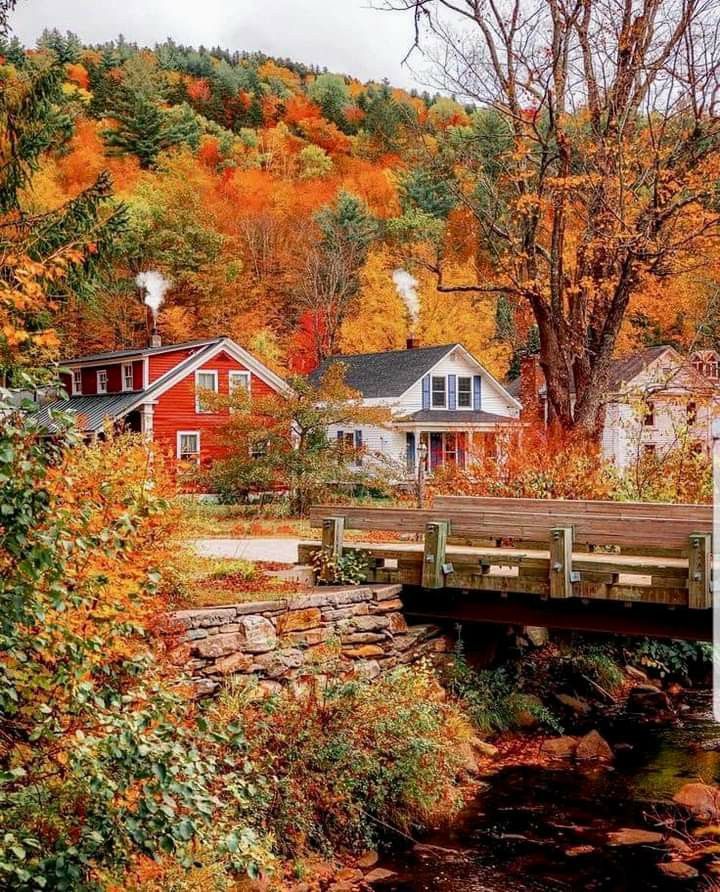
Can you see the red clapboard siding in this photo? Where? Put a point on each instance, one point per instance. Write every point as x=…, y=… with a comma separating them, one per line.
x=175, y=410
x=163, y=362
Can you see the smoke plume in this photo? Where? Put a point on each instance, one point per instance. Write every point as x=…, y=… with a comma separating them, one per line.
x=155, y=285
x=406, y=286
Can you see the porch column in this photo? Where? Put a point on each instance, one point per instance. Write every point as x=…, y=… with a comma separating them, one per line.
x=146, y=419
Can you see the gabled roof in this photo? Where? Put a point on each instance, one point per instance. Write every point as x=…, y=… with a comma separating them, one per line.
x=386, y=374
x=139, y=351
x=449, y=416
x=96, y=409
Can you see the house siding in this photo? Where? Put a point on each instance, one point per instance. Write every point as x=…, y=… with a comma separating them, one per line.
x=176, y=408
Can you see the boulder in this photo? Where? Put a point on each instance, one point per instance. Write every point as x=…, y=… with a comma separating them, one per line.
x=559, y=747
x=647, y=698
x=678, y=870
x=216, y=646
x=483, y=747
x=538, y=636
x=367, y=859
x=378, y=875
x=702, y=800
x=237, y=662
x=593, y=748
x=636, y=674
x=526, y=718
x=634, y=836
x=578, y=706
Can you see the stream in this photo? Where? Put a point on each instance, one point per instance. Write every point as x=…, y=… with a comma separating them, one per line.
x=536, y=828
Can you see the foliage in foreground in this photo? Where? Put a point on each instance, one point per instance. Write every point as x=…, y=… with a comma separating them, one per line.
x=99, y=761
x=344, y=763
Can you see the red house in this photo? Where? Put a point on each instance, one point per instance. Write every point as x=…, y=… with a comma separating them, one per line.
x=158, y=390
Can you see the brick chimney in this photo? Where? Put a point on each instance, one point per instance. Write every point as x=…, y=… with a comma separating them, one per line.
x=412, y=343
x=531, y=380
x=155, y=339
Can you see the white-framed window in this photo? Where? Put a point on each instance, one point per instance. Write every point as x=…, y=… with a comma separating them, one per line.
x=76, y=382
x=188, y=445
x=102, y=380
x=206, y=381
x=127, y=376
x=438, y=392
x=239, y=381
x=464, y=392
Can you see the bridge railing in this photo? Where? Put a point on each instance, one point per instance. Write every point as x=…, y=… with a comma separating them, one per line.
x=650, y=552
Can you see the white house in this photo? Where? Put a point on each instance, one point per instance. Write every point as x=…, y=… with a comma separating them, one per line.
x=656, y=399
x=444, y=403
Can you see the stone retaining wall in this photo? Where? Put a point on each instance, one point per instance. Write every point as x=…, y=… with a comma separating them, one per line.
x=341, y=631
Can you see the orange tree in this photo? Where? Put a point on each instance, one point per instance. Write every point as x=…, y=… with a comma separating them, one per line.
x=589, y=170
x=101, y=761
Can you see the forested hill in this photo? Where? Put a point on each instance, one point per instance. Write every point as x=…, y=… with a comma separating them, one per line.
x=280, y=200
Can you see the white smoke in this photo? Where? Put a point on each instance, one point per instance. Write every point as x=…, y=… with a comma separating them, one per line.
x=155, y=285
x=406, y=287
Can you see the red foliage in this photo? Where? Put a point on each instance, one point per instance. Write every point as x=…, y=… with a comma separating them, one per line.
x=77, y=74
x=299, y=108
x=198, y=90
x=209, y=152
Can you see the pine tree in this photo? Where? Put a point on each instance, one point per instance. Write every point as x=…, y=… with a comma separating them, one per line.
x=43, y=258
x=145, y=129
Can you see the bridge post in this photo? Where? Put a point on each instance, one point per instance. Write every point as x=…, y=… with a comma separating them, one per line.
x=436, y=533
x=561, y=575
x=333, y=530
x=699, y=562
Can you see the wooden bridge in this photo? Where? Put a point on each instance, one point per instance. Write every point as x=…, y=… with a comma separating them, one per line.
x=631, y=568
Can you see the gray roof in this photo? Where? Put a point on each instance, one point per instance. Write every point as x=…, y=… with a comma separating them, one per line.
x=139, y=351
x=91, y=412
x=386, y=374
x=461, y=416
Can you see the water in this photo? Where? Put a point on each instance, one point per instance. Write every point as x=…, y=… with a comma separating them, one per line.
x=546, y=829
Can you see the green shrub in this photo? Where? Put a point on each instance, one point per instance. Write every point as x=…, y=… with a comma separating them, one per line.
x=345, y=762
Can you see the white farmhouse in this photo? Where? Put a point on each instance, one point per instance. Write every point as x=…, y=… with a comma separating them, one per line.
x=444, y=404
x=656, y=400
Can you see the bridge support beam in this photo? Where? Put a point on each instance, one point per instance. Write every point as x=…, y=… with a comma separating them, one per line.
x=699, y=563
x=333, y=532
x=561, y=574
x=433, y=572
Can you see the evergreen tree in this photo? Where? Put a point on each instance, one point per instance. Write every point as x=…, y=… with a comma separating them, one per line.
x=144, y=129
x=427, y=190
x=46, y=257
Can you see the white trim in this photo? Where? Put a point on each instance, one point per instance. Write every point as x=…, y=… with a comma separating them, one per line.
x=457, y=393
x=146, y=372
x=238, y=373
x=216, y=389
x=125, y=366
x=97, y=381
x=186, y=434
x=76, y=387
x=433, y=379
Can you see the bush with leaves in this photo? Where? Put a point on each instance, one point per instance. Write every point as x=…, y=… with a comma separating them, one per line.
x=346, y=761
x=100, y=761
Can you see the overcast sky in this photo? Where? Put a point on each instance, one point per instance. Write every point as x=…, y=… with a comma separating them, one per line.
x=344, y=35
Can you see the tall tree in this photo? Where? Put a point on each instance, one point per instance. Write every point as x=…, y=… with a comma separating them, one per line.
x=593, y=167
x=43, y=258
x=330, y=284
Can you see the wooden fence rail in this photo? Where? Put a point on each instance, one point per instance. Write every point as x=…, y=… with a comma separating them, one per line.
x=632, y=552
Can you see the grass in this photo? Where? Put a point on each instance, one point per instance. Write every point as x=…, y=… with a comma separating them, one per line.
x=195, y=581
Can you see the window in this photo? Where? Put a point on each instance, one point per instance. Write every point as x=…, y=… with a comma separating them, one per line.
x=350, y=443
x=188, y=446
x=127, y=372
x=102, y=381
x=439, y=400
x=464, y=393
x=691, y=410
x=204, y=382
x=239, y=381
x=258, y=448
x=649, y=419
x=649, y=449
x=77, y=382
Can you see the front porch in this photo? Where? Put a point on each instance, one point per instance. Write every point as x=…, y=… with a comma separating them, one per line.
x=461, y=447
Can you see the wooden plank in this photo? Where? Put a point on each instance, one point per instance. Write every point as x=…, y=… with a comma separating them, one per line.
x=433, y=575
x=592, y=529
x=561, y=539
x=699, y=574
x=703, y=513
